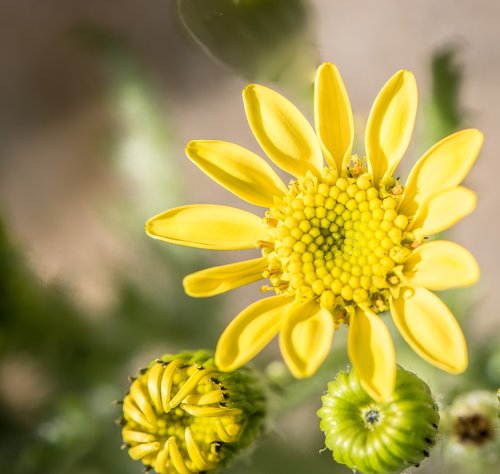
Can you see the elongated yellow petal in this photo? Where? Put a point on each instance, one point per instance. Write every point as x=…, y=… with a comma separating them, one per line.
x=440, y=265
x=306, y=338
x=130, y=436
x=250, y=331
x=154, y=380
x=333, y=116
x=442, y=167
x=237, y=169
x=195, y=453
x=176, y=457
x=217, y=280
x=372, y=354
x=160, y=464
x=142, y=450
x=141, y=399
x=282, y=131
x=430, y=329
x=211, y=411
x=390, y=124
x=189, y=385
x=443, y=210
x=208, y=226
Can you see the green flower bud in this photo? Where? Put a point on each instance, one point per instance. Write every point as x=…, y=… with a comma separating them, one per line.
x=182, y=415
x=379, y=437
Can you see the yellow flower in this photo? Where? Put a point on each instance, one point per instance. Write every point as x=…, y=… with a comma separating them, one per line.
x=182, y=415
x=340, y=243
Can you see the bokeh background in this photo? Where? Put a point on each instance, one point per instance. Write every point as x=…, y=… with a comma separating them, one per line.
x=97, y=101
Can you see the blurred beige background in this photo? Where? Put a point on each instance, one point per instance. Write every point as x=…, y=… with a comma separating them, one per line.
x=55, y=120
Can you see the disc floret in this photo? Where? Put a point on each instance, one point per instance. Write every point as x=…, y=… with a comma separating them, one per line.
x=338, y=239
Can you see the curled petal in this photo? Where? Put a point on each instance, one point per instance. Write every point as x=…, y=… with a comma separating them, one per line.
x=430, y=329
x=237, y=169
x=142, y=450
x=216, y=280
x=372, y=354
x=390, y=124
x=442, y=167
x=250, y=331
x=444, y=209
x=306, y=338
x=282, y=131
x=440, y=265
x=208, y=226
x=333, y=116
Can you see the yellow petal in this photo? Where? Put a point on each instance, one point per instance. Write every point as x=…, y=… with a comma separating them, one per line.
x=430, y=329
x=282, y=131
x=142, y=450
x=250, y=331
x=208, y=226
x=440, y=265
x=442, y=167
x=306, y=338
x=237, y=169
x=333, y=116
x=390, y=124
x=443, y=210
x=372, y=354
x=217, y=280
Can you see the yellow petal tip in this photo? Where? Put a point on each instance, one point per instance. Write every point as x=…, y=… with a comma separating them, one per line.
x=459, y=364
x=249, y=89
x=148, y=228
x=327, y=65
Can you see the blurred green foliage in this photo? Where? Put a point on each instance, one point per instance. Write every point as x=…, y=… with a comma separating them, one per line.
x=443, y=112
x=82, y=363
x=262, y=40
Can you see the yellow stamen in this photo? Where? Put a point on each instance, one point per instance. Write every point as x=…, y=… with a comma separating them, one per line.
x=264, y=244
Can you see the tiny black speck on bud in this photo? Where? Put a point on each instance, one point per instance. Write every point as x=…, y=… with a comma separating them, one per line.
x=372, y=416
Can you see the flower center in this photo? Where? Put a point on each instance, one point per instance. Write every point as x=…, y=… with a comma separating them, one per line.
x=371, y=416
x=473, y=429
x=339, y=239
x=175, y=418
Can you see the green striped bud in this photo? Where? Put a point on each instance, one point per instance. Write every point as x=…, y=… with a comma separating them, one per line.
x=182, y=415
x=379, y=437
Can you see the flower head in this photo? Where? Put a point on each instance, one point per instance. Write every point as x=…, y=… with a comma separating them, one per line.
x=471, y=431
x=182, y=415
x=342, y=242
